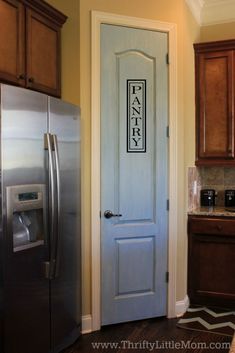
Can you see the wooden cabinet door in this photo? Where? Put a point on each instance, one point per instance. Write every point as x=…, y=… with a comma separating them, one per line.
x=12, y=62
x=43, y=53
x=211, y=262
x=215, y=107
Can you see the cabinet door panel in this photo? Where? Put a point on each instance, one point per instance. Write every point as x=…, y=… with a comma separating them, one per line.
x=43, y=54
x=12, y=64
x=215, y=117
x=211, y=263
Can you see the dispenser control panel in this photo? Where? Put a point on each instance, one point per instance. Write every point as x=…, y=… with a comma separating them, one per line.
x=26, y=210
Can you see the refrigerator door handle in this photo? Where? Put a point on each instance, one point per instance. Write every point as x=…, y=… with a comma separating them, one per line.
x=50, y=265
x=57, y=230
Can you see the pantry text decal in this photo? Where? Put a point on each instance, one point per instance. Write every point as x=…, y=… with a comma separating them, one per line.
x=136, y=116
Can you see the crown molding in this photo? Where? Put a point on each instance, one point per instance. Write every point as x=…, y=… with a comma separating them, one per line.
x=196, y=9
x=218, y=11
x=211, y=3
x=211, y=12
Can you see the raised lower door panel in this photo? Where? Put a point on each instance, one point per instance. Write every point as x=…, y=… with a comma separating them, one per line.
x=133, y=277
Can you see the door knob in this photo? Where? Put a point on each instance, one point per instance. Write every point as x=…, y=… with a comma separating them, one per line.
x=109, y=214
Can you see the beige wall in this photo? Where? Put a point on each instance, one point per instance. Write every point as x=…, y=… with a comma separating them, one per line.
x=79, y=23
x=70, y=49
x=218, y=32
x=191, y=32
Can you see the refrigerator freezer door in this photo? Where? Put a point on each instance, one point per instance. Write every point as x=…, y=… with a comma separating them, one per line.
x=26, y=291
x=65, y=287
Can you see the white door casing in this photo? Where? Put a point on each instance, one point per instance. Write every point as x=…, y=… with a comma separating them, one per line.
x=134, y=173
x=97, y=19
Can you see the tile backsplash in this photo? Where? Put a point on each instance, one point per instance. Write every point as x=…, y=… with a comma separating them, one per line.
x=218, y=178
x=194, y=188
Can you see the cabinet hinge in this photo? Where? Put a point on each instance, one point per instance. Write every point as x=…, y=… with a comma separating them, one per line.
x=167, y=59
x=167, y=131
x=167, y=277
x=167, y=205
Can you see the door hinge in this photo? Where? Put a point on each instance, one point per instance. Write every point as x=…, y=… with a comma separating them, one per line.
x=167, y=131
x=167, y=277
x=167, y=59
x=167, y=205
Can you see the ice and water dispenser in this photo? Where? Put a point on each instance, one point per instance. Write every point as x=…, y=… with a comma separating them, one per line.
x=26, y=215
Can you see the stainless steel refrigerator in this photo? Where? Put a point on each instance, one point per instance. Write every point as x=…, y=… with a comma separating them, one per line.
x=40, y=222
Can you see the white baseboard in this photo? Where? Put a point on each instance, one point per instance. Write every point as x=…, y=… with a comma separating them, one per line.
x=86, y=324
x=181, y=306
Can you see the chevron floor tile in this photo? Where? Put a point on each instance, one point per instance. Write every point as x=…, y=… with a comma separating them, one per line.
x=209, y=320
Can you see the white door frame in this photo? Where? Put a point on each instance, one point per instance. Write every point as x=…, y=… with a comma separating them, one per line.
x=99, y=18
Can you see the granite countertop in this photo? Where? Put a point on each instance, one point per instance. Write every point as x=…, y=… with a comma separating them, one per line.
x=212, y=212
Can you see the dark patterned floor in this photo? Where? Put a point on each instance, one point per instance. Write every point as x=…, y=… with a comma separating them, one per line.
x=154, y=335
x=213, y=320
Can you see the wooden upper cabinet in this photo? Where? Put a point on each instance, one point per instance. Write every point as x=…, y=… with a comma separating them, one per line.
x=30, y=45
x=215, y=103
x=43, y=53
x=12, y=41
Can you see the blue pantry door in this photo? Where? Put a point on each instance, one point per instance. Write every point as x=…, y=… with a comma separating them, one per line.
x=134, y=175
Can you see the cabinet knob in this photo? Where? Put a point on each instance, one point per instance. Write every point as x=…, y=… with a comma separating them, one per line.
x=230, y=150
x=31, y=79
x=219, y=227
x=20, y=77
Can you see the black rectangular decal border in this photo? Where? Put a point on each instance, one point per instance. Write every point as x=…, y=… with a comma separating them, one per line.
x=136, y=124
